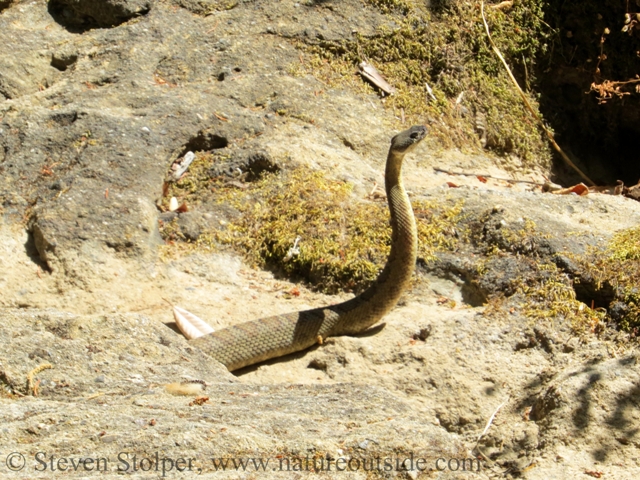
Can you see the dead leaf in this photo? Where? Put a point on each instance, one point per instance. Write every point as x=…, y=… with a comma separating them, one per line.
x=594, y=473
x=370, y=73
x=579, y=189
x=198, y=401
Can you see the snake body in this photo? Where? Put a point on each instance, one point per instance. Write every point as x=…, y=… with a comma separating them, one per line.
x=258, y=340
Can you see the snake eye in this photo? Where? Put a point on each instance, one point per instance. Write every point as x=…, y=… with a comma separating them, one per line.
x=414, y=135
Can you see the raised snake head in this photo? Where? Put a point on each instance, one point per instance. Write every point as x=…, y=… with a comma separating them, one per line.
x=407, y=140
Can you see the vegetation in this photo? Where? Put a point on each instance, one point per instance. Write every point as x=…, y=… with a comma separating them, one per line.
x=343, y=241
x=446, y=48
x=618, y=266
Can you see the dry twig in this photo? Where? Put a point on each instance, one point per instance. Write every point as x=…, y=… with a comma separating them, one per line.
x=528, y=105
x=508, y=180
x=486, y=429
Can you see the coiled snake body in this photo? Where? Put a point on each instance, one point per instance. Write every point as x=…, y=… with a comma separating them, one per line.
x=258, y=340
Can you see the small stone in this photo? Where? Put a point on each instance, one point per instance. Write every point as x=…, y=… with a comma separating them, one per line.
x=109, y=438
x=173, y=204
x=100, y=379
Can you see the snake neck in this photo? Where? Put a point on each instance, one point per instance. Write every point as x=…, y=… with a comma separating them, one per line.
x=371, y=305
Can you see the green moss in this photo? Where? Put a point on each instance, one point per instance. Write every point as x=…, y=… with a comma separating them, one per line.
x=450, y=52
x=625, y=245
x=196, y=185
x=343, y=243
x=616, y=268
x=619, y=267
x=553, y=297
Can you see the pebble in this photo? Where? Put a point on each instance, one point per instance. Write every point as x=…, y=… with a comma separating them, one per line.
x=109, y=438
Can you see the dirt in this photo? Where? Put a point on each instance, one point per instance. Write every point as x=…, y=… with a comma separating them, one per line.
x=446, y=378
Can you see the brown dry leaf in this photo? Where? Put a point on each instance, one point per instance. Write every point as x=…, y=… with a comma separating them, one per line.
x=579, y=189
x=370, y=73
x=452, y=185
x=295, y=291
x=594, y=473
x=482, y=179
x=198, y=401
x=632, y=192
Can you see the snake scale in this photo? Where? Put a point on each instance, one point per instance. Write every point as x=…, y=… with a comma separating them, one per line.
x=258, y=340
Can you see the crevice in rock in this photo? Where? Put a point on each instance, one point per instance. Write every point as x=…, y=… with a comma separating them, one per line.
x=62, y=61
x=79, y=16
x=205, y=141
x=451, y=268
x=33, y=253
x=4, y=4
x=64, y=119
x=591, y=294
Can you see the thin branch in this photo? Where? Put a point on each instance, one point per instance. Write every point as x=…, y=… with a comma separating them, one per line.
x=486, y=429
x=528, y=105
x=508, y=180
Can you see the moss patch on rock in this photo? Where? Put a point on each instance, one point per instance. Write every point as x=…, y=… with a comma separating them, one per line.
x=343, y=241
x=449, y=51
x=618, y=267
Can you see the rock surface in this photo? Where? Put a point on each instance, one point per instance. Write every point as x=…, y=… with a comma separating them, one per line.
x=99, y=98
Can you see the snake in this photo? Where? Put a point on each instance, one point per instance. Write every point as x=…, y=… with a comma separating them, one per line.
x=255, y=341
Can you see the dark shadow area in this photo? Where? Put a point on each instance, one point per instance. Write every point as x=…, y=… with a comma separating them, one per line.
x=67, y=18
x=64, y=119
x=63, y=62
x=301, y=354
x=204, y=141
x=173, y=326
x=591, y=48
x=455, y=269
x=588, y=400
x=84, y=15
x=284, y=359
x=33, y=254
x=4, y=4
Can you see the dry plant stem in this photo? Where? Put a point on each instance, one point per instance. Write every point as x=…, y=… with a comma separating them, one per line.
x=486, y=429
x=528, y=105
x=508, y=180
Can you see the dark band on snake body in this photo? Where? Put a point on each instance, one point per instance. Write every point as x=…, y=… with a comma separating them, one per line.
x=258, y=340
